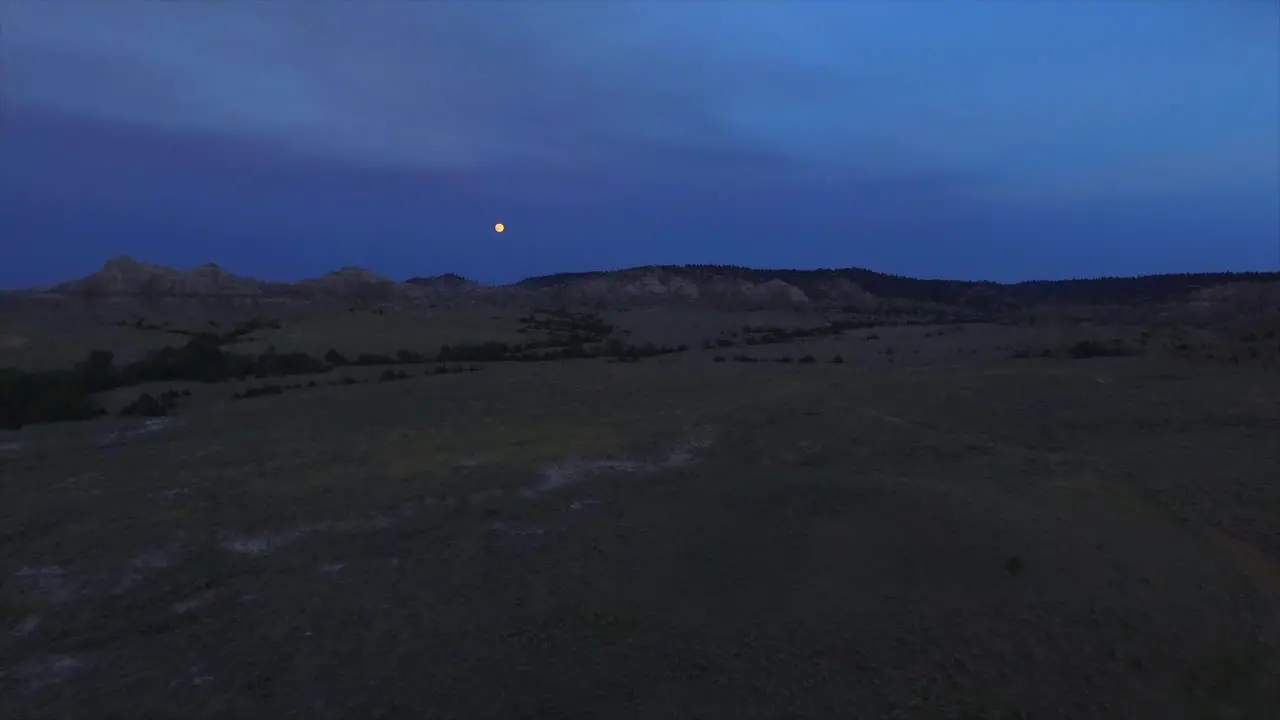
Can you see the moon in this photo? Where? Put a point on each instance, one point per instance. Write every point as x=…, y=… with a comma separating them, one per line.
x=499, y=227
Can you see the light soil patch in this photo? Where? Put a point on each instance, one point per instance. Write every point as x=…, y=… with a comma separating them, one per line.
x=26, y=626
x=552, y=477
x=41, y=673
x=440, y=451
x=51, y=582
x=568, y=472
x=145, y=565
x=266, y=543
x=147, y=427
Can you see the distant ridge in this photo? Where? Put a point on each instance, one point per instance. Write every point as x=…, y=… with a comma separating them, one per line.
x=447, y=280
x=716, y=285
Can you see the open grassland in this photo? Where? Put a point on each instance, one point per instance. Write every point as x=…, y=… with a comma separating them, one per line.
x=939, y=531
x=904, y=520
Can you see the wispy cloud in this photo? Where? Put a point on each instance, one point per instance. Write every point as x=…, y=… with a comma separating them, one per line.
x=934, y=124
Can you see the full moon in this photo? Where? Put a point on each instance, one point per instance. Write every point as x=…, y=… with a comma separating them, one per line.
x=499, y=227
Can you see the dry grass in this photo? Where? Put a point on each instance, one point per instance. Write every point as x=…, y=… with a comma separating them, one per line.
x=943, y=534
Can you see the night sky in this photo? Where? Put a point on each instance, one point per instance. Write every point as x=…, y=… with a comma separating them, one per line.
x=999, y=140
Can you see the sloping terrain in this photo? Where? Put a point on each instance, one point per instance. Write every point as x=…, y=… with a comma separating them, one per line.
x=725, y=287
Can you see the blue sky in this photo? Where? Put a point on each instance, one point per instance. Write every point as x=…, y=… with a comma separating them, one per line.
x=999, y=140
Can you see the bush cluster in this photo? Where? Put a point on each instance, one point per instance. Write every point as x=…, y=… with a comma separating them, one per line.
x=269, y=389
x=148, y=405
x=806, y=360
x=32, y=397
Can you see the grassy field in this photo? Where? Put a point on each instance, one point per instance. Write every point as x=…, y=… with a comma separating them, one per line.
x=939, y=531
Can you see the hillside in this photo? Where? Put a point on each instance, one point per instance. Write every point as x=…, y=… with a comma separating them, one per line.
x=715, y=285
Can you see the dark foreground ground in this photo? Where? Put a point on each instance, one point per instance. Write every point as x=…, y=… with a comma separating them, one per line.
x=676, y=538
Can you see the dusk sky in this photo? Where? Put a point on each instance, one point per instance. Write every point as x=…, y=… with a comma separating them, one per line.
x=1002, y=140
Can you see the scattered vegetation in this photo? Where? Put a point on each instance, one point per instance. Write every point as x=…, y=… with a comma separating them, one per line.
x=446, y=370
x=752, y=335
x=1090, y=349
x=806, y=360
x=28, y=398
x=263, y=391
x=237, y=334
x=570, y=335
x=148, y=405
x=1024, y=353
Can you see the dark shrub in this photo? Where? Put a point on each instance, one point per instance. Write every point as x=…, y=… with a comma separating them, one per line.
x=837, y=360
x=807, y=360
x=1088, y=349
x=260, y=391
x=485, y=352
x=200, y=359
x=98, y=372
x=613, y=347
x=333, y=357
x=295, y=363
x=28, y=398
x=146, y=405
x=374, y=359
x=718, y=358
